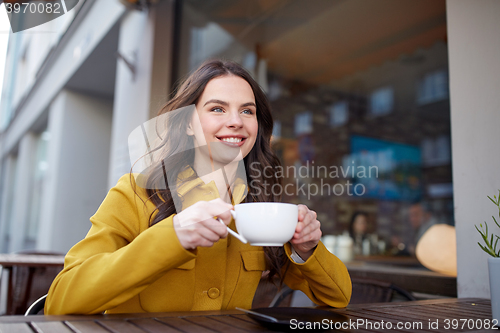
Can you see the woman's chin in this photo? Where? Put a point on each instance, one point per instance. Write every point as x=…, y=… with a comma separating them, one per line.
x=225, y=153
x=226, y=159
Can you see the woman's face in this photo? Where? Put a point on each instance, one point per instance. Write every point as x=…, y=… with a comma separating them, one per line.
x=360, y=225
x=226, y=117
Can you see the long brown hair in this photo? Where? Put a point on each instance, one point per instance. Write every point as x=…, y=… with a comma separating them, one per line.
x=177, y=147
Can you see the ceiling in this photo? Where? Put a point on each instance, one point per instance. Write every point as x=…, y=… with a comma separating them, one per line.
x=315, y=43
x=329, y=39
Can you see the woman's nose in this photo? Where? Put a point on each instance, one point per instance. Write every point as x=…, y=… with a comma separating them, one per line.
x=234, y=120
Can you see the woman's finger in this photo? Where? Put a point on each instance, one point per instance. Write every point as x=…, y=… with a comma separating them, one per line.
x=215, y=226
x=225, y=217
x=311, y=228
x=303, y=210
x=307, y=229
x=314, y=224
x=209, y=235
x=309, y=241
x=299, y=228
x=219, y=208
x=205, y=243
x=307, y=224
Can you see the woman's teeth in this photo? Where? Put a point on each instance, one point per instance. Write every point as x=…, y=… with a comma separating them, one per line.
x=235, y=140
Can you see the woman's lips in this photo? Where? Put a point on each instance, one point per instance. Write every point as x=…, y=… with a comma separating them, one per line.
x=232, y=141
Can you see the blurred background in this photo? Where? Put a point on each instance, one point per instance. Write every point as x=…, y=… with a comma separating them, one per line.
x=352, y=83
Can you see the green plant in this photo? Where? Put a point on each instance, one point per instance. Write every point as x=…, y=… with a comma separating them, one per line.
x=490, y=248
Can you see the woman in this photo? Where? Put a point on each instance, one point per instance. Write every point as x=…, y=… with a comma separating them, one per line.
x=358, y=230
x=154, y=245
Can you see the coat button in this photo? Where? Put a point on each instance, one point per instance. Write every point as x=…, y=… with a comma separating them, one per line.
x=213, y=292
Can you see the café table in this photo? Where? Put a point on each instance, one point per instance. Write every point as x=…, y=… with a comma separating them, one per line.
x=441, y=315
x=405, y=273
x=32, y=261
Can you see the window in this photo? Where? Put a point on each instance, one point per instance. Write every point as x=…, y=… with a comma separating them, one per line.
x=303, y=123
x=433, y=87
x=39, y=179
x=382, y=101
x=327, y=68
x=436, y=152
x=339, y=114
x=276, y=129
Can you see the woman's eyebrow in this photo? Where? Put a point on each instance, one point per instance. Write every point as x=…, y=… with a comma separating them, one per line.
x=218, y=101
x=248, y=104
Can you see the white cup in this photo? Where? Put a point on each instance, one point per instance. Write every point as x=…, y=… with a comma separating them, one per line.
x=266, y=223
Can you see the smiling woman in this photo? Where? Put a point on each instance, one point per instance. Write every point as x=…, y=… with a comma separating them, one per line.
x=359, y=92
x=157, y=248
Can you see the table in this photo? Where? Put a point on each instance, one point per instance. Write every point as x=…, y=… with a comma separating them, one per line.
x=424, y=312
x=32, y=261
x=390, y=260
x=412, y=279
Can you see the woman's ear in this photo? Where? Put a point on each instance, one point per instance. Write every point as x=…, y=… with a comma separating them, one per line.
x=189, y=130
x=194, y=122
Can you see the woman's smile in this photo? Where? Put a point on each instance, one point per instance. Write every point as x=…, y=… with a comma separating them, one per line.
x=226, y=114
x=232, y=140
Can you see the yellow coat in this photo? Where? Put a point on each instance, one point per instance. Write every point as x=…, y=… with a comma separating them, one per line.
x=123, y=265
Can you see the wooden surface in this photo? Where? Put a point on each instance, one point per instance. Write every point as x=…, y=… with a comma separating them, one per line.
x=412, y=279
x=470, y=311
x=390, y=260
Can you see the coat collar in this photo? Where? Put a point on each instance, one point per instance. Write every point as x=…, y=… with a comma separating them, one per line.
x=188, y=180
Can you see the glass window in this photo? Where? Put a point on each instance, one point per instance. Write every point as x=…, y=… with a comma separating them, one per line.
x=8, y=188
x=277, y=130
x=436, y=152
x=339, y=114
x=433, y=87
x=39, y=179
x=351, y=85
x=303, y=123
x=382, y=101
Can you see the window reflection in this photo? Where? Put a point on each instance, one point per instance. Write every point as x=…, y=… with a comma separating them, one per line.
x=303, y=123
x=382, y=101
x=433, y=87
x=352, y=85
x=39, y=179
x=339, y=113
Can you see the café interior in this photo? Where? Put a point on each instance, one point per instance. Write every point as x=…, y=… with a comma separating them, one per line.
x=362, y=120
x=360, y=99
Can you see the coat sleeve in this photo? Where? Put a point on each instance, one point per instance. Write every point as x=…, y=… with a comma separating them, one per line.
x=323, y=277
x=115, y=261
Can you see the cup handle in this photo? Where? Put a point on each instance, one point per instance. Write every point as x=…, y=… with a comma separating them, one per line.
x=235, y=234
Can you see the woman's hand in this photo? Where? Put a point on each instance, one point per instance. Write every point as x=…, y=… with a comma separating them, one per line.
x=196, y=226
x=307, y=233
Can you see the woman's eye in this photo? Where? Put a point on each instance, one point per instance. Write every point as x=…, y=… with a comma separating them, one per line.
x=247, y=111
x=217, y=110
